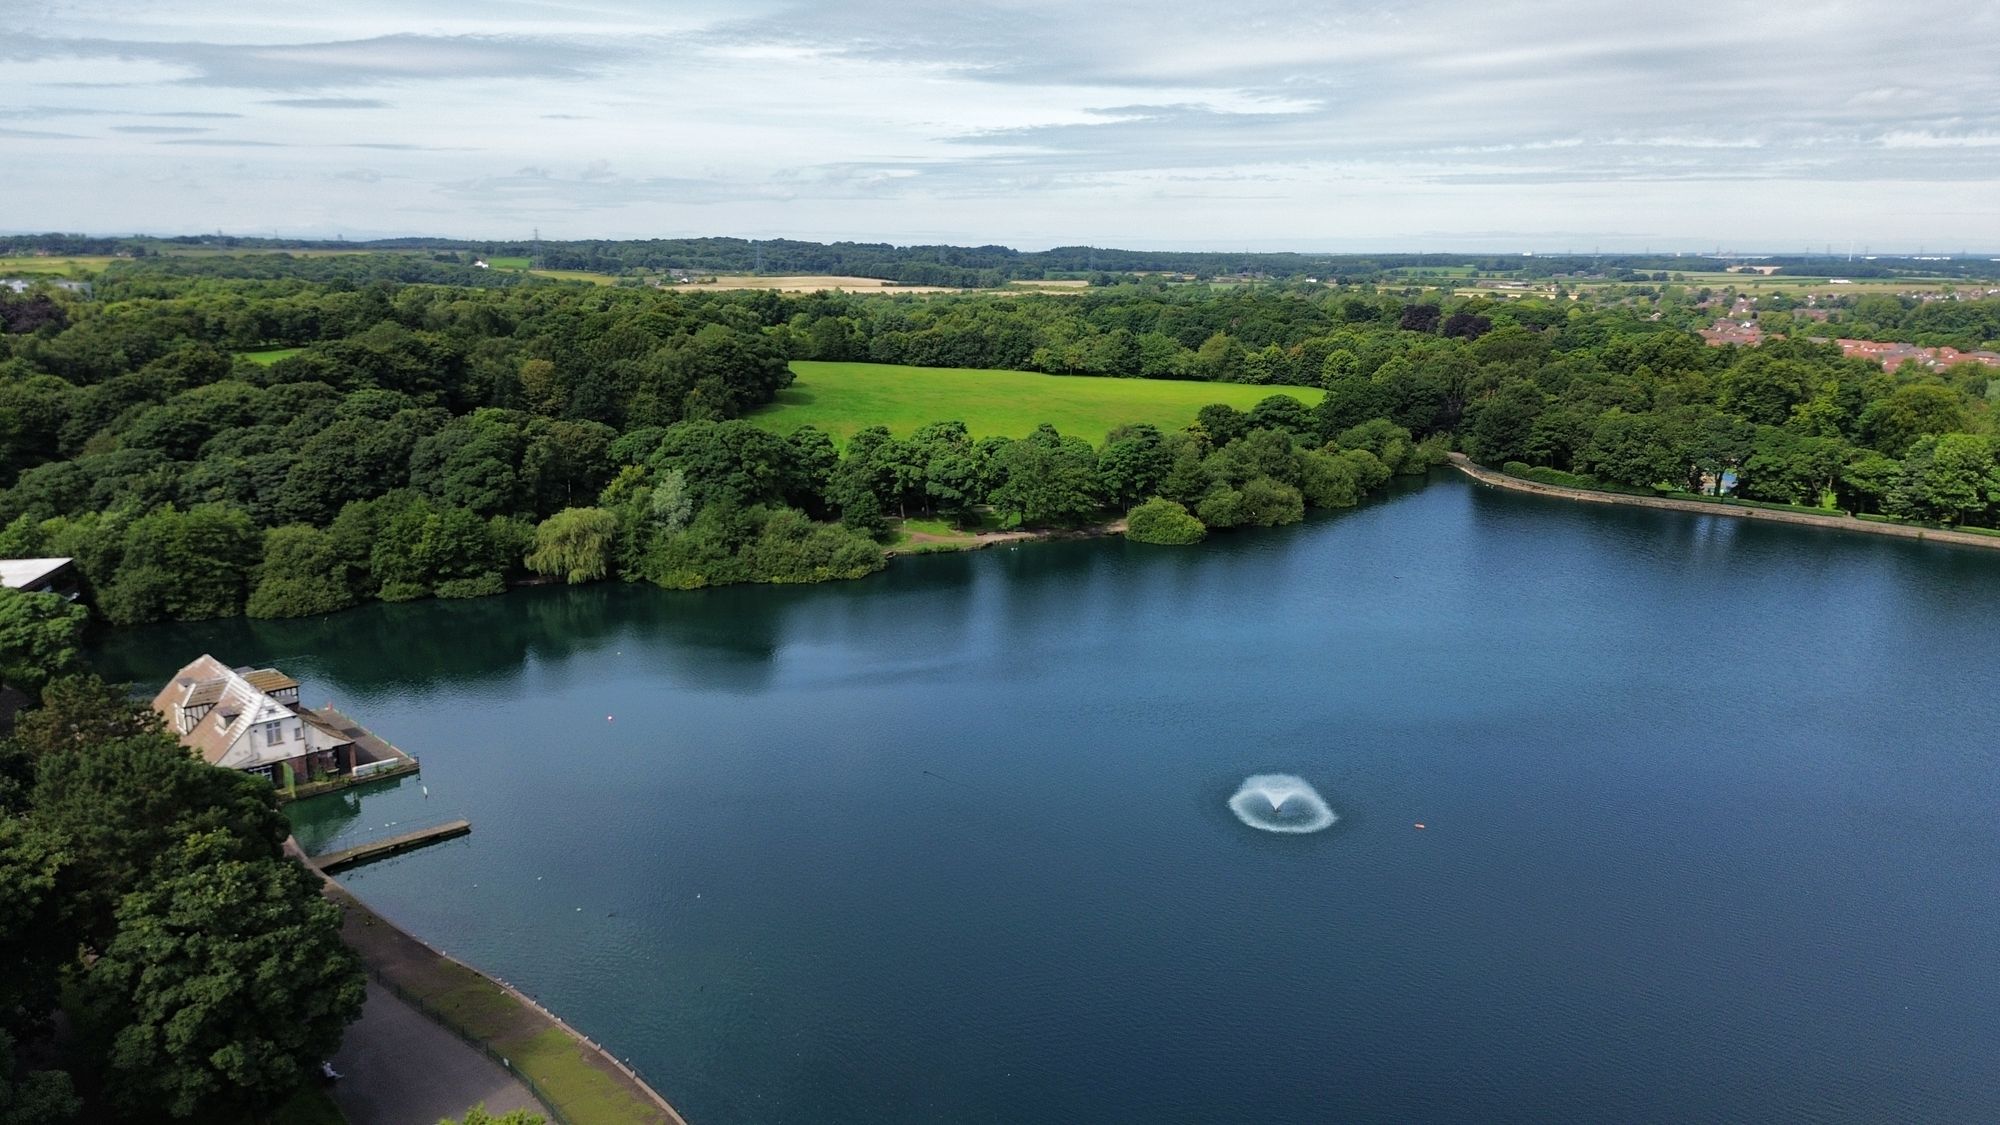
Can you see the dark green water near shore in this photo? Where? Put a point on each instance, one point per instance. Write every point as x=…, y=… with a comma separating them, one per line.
x=1710, y=814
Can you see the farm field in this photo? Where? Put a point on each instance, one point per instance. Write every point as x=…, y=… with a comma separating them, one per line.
x=83, y=265
x=33, y=263
x=844, y=398
x=810, y=283
x=577, y=275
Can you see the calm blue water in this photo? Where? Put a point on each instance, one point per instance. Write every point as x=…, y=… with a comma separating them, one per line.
x=1710, y=806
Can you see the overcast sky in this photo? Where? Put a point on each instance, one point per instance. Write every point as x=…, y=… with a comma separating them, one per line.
x=1531, y=125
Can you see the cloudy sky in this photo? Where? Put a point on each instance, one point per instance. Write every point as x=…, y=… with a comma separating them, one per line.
x=1423, y=124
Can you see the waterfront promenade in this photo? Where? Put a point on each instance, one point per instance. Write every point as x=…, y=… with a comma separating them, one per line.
x=573, y=1078
x=1831, y=521
x=399, y=1067
x=579, y=1081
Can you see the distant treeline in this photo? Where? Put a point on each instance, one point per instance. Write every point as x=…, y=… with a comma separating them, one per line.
x=432, y=439
x=984, y=266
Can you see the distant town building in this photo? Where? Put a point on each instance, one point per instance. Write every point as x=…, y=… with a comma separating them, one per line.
x=1726, y=331
x=23, y=284
x=1892, y=355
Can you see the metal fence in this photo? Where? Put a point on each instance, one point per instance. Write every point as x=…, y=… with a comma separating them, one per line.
x=438, y=1017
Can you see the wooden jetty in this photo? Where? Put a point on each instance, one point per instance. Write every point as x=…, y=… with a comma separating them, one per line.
x=393, y=845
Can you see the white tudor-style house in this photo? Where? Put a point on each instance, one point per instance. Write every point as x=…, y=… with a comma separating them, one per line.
x=250, y=719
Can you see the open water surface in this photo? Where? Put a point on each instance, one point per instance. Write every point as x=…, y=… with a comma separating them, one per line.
x=1710, y=807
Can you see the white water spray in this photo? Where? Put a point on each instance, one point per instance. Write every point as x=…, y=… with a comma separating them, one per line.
x=1279, y=802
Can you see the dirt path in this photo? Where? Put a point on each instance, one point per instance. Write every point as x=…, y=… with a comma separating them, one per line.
x=1713, y=508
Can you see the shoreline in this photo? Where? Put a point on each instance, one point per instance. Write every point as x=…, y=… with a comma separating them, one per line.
x=415, y=967
x=1497, y=479
x=926, y=543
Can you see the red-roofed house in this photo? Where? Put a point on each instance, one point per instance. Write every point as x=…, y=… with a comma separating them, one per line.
x=250, y=719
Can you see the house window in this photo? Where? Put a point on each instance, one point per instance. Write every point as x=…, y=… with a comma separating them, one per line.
x=299, y=733
x=274, y=733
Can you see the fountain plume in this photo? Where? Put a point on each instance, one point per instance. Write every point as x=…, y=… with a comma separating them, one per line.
x=1295, y=807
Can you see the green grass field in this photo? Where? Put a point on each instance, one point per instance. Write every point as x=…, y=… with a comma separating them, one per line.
x=506, y=263
x=77, y=266
x=267, y=356
x=843, y=398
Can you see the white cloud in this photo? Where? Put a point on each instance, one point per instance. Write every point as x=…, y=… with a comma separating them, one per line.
x=1026, y=121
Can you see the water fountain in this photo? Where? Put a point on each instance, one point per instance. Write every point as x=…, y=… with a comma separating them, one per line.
x=1280, y=802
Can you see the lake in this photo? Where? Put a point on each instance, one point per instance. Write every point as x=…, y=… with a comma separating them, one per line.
x=1709, y=807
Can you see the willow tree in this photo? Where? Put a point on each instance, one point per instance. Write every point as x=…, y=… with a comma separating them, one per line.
x=575, y=543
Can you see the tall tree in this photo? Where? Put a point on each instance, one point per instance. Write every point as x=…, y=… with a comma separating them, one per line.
x=39, y=637
x=576, y=544
x=226, y=982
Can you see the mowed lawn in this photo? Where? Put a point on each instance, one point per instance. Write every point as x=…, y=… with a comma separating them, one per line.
x=843, y=398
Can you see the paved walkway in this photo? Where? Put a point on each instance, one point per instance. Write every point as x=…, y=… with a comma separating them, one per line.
x=1716, y=508
x=584, y=1080
x=399, y=1068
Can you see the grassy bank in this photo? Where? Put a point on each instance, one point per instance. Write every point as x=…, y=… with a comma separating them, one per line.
x=844, y=398
x=581, y=1084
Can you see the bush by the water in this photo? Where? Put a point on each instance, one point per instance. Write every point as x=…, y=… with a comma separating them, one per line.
x=1544, y=475
x=1163, y=522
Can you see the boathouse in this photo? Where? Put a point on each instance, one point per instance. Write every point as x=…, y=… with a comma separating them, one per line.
x=250, y=719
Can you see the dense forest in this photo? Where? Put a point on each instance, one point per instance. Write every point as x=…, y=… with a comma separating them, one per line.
x=431, y=439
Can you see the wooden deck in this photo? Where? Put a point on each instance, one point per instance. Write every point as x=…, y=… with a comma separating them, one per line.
x=378, y=756
x=393, y=845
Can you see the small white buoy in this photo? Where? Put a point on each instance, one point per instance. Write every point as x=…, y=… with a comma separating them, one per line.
x=607, y=718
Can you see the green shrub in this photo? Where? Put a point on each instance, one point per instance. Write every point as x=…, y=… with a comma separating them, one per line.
x=1268, y=503
x=478, y=586
x=1543, y=475
x=1222, y=507
x=1369, y=470
x=403, y=591
x=1435, y=450
x=1329, y=480
x=1163, y=522
x=762, y=544
x=298, y=597
x=1391, y=444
